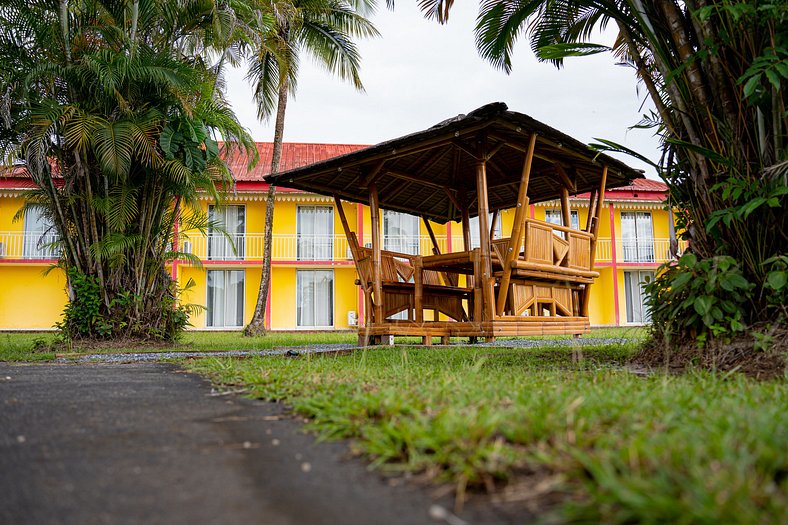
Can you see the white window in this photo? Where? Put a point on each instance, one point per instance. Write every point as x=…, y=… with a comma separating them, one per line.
x=474, y=227
x=400, y=232
x=556, y=217
x=637, y=237
x=226, y=233
x=40, y=235
x=315, y=232
x=225, y=298
x=634, y=283
x=315, y=298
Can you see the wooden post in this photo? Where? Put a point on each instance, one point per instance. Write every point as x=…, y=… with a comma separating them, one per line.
x=590, y=210
x=486, y=278
x=418, y=294
x=594, y=231
x=516, y=240
x=348, y=232
x=435, y=248
x=493, y=223
x=565, y=210
x=377, y=277
x=466, y=225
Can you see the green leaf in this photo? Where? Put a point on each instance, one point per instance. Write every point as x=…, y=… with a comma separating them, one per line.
x=703, y=304
x=752, y=85
x=774, y=78
x=681, y=281
x=777, y=279
x=569, y=49
x=751, y=206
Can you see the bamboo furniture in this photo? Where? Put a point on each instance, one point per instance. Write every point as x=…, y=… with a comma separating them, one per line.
x=535, y=281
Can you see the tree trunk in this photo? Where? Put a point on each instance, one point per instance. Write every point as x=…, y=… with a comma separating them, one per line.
x=256, y=326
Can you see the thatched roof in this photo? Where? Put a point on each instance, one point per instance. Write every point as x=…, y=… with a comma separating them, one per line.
x=433, y=172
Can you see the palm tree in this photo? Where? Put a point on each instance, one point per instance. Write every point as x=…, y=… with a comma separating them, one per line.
x=111, y=107
x=715, y=71
x=324, y=29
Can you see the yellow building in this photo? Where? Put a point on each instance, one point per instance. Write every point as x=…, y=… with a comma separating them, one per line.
x=313, y=275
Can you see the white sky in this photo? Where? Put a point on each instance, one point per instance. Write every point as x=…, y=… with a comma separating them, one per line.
x=419, y=73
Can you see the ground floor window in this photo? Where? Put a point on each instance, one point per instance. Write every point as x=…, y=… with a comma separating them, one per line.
x=315, y=298
x=225, y=298
x=634, y=283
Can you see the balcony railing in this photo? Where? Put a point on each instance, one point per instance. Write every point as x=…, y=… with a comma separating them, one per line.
x=33, y=246
x=286, y=248
x=655, y=251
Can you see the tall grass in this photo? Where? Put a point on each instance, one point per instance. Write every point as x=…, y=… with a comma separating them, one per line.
x=615, y=447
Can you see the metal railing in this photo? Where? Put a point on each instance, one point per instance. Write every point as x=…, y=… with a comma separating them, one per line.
x=293, y=247
x=655, y=251
x=33, y=246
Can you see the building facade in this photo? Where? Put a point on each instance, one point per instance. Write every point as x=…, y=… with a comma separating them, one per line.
x=313, y=276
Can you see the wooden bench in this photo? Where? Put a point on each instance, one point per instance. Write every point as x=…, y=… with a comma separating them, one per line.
x=399, y=286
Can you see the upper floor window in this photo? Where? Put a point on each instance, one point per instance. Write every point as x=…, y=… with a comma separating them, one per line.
x=556, y=217
x=474, y=227
x=400, y=232
x=637, y=236
x=226, y=233
x=315, y=232
x=40, y=235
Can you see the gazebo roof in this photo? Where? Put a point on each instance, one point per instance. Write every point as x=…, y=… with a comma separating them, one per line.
x=432, y=173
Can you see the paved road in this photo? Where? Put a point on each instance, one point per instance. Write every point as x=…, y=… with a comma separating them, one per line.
x=146, y=443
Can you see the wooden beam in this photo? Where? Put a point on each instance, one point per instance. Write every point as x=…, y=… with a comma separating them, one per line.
x=590, y=217
x=486, y=277
x=495, y=150
x=435, y=249
x=453, y=198
x=494, y=222
x=414, y=178
x=348, y=232
x=520, y=215
x=377, y=278
x=566, y=212
x=373, y=174
x=463, y=147
x=466, y=223
x=565, y=180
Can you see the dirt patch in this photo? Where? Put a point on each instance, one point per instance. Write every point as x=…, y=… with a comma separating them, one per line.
x=739, y=355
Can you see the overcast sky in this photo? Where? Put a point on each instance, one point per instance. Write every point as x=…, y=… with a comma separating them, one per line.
x=419, y=73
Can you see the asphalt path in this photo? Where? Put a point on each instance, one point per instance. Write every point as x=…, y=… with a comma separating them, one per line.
x=149, y=443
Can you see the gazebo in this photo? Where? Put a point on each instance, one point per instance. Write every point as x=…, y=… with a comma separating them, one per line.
x=535, y=281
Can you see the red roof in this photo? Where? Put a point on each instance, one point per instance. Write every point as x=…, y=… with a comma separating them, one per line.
x=644, y=185
x=294, y=155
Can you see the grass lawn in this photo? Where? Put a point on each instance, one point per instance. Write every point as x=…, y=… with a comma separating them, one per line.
x=19, y=346
x=542, y=427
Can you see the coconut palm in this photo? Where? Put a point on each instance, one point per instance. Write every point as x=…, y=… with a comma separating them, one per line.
x=323, y=29
x=715, y=71
x=112, y=109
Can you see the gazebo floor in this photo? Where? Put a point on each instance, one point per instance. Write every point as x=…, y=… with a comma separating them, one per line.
x=508, y=326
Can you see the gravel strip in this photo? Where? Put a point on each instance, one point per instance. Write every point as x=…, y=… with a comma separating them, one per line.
x=148, y=357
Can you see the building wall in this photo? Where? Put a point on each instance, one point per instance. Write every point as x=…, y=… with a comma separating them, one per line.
x=30, y=300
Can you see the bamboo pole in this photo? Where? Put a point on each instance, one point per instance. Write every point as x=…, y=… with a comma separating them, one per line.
x=418, y=293
x=589, y=218
x=565, y=210
x=516, y=240
x=466, y=227
x=594, y=231
x=486, y=278
x=435, y=249
x=377, y=283
x=494, y=223
x=348, y=232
